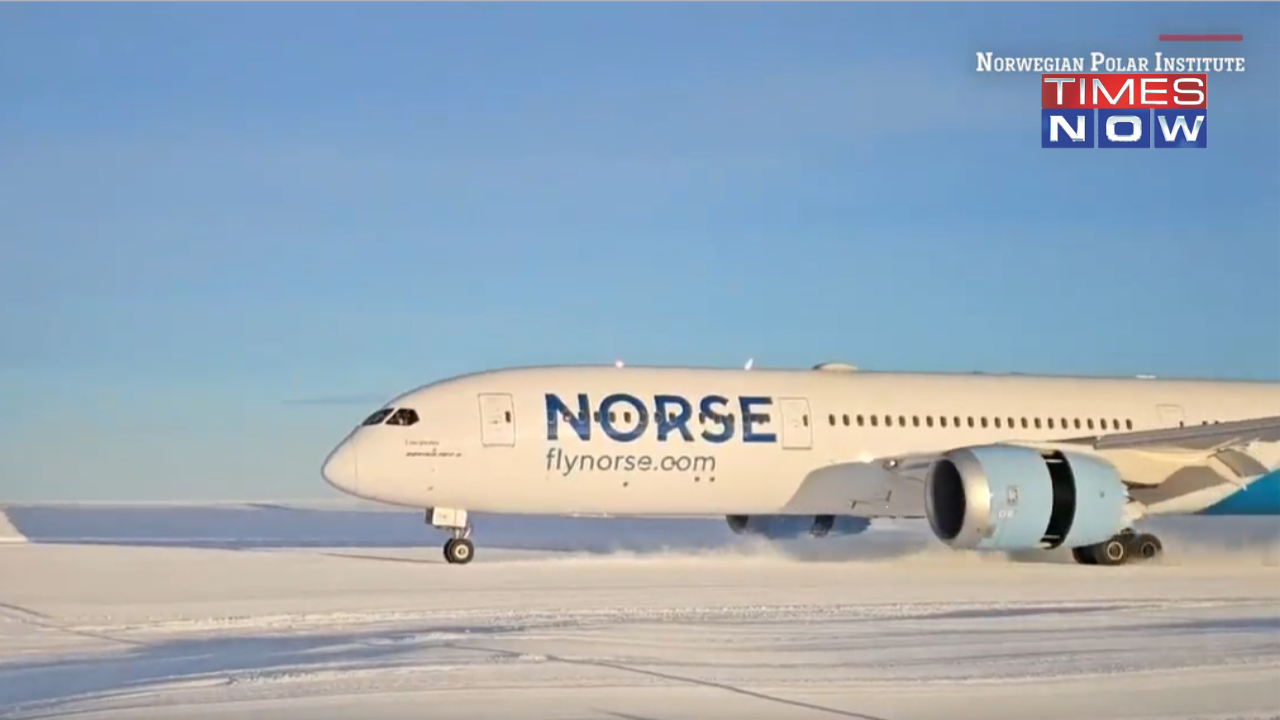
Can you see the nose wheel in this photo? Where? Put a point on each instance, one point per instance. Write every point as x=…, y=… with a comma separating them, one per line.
x=458, y=551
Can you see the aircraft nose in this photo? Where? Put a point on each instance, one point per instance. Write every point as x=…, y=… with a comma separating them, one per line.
x=341, y=469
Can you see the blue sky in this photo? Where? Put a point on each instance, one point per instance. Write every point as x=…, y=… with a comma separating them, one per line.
x=211, y=211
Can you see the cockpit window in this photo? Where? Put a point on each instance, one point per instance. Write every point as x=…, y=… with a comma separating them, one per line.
x=404, y=416
x=377, y=417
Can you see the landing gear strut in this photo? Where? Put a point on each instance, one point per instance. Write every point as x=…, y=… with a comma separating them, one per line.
x=1124, y=548
x=458, y=549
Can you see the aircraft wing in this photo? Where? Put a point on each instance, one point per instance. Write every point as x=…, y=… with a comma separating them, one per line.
x=1161, y=467
x=1211, y=437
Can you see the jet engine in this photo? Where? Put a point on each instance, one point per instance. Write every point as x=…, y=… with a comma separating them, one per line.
x=786, y=527
x=1000, y=497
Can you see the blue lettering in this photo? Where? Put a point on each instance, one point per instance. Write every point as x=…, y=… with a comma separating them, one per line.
x=623, y=417
x=579, y=421
x=749, y=416
x=666, y=423
x=718, y=417
x=607, y=417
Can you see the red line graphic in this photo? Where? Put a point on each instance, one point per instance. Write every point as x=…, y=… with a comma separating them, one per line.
x=1201, y=38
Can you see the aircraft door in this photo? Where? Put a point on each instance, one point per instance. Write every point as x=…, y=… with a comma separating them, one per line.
x=797, y=429
x=497, y=420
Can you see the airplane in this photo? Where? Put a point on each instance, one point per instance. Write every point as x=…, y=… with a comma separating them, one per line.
x=994, y=462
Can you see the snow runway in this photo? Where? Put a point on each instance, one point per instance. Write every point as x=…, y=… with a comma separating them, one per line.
x=735, y=631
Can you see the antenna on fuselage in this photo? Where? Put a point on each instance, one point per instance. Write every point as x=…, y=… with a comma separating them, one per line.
x=750, y=362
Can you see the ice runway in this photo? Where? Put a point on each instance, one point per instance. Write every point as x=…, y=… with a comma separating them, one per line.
x=873, y=627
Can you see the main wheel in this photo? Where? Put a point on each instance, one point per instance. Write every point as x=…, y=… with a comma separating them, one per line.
x=1146, y=546
x=1113, y=552
x=1085, y=555
x=459, y=551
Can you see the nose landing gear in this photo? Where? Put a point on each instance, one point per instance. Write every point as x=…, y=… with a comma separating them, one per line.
x=458, y=549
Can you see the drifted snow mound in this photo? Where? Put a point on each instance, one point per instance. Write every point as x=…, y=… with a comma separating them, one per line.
x=9, y=533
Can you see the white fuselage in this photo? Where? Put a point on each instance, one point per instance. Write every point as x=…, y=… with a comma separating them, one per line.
x=517, y=441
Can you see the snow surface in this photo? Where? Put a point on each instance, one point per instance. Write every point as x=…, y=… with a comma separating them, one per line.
x=244, y=612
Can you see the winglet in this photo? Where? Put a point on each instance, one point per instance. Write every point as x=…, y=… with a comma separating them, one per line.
x=8, y=533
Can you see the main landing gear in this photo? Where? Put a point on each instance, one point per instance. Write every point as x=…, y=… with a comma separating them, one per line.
x=1124, y=548
x=458, y=549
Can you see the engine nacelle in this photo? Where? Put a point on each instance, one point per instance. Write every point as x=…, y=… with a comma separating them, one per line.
x=1000, y=497
x=786, y=527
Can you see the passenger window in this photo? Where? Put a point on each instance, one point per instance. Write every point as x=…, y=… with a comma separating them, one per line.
x=860, y=420
x=1077, y=423
x=845, y=419
x=915, y=421
x=875, y=420
x=1089, y=423
x=1024, y=423
x=888, y=421
x=997, y=422
x=1128, y=424
x=404, y=417
x=507, y=415
x=831, y=419
x=928, y=420
x=984, y=421
x=803, y=418
x=1038, y=423
x=377, y=417
x=902, y=421
x=942, y=420
x=970, y=421
x=1050, y=423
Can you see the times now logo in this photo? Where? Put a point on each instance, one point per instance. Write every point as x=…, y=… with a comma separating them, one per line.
x=1123, y=110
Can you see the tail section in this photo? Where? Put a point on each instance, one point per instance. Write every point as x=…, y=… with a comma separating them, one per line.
x=8, y=533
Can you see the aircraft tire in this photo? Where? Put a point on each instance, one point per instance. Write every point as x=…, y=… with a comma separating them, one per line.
x=1146, y=547
x=1085, y=555
x=459, y=551
x=1113, y=552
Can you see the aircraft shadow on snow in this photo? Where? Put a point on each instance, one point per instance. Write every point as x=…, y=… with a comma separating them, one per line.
x=274, y=526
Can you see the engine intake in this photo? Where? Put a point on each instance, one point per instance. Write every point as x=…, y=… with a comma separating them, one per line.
x=1000, y=497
